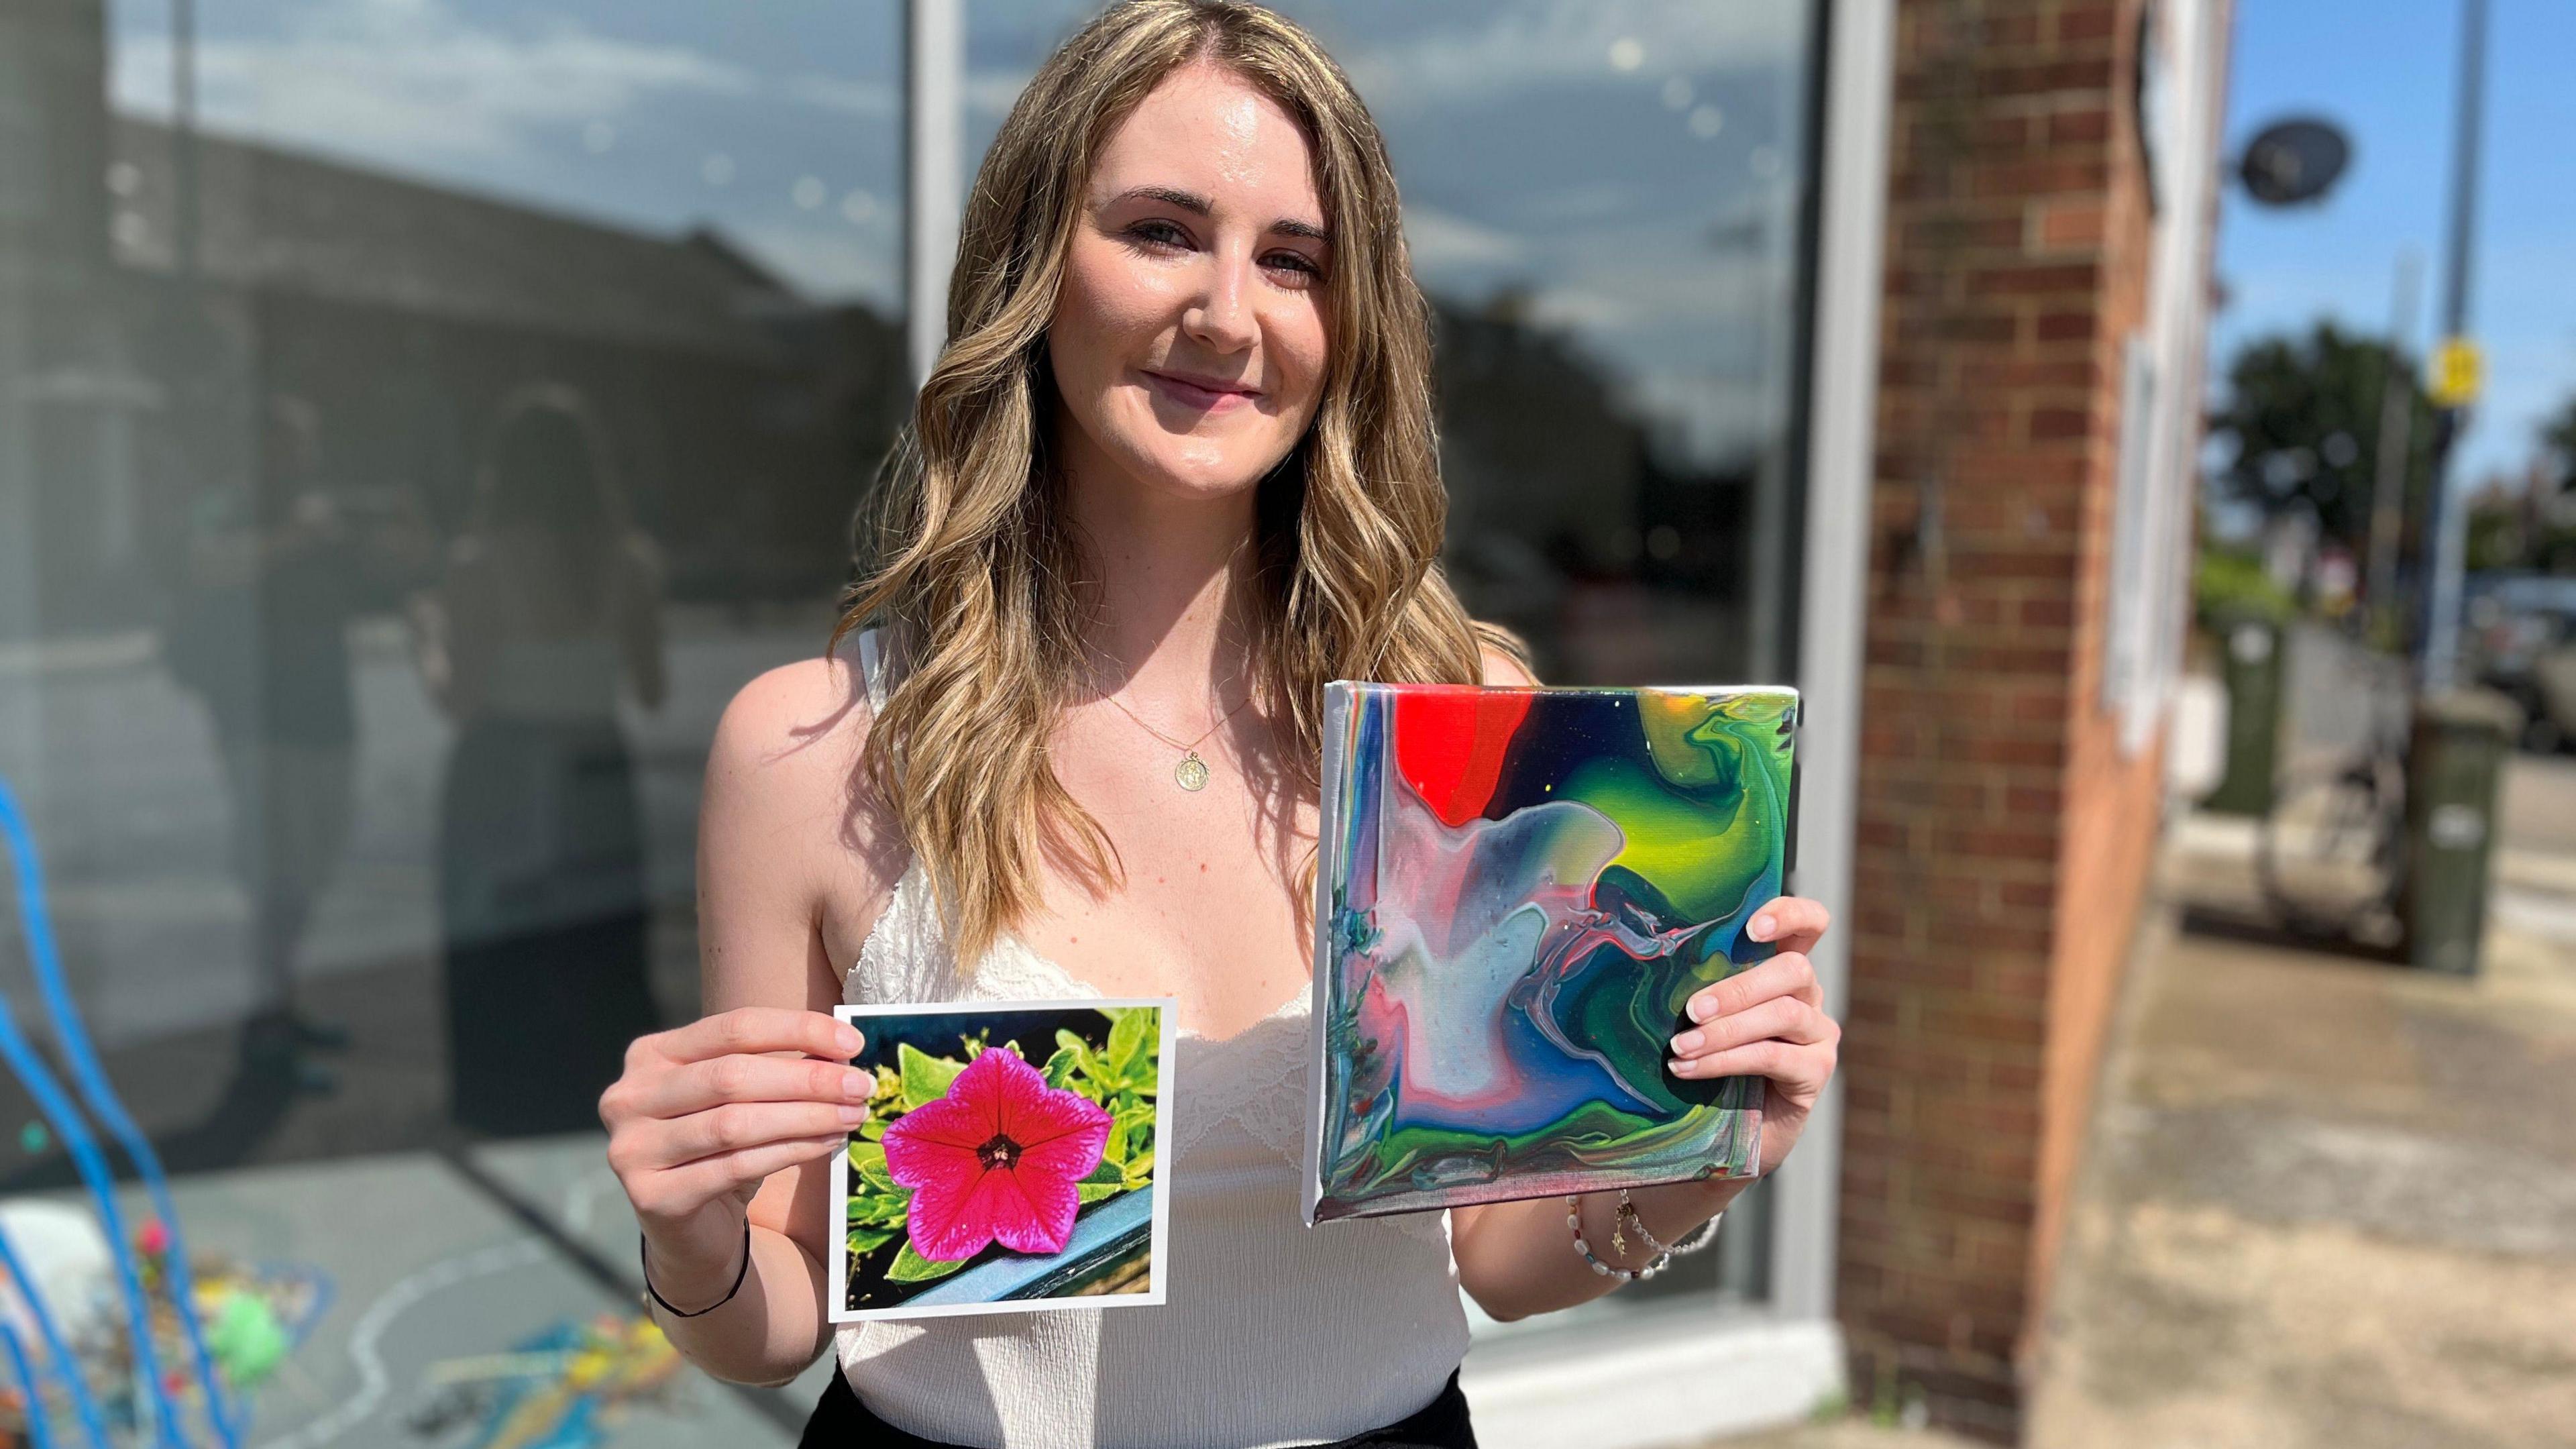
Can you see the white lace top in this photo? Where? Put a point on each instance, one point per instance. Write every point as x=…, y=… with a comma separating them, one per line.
x=1270, y=1333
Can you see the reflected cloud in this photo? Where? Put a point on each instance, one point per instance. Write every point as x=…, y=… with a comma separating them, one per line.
x=400, y=79
x=1570, y=42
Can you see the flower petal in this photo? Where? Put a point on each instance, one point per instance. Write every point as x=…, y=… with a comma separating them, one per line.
x=1068, y=1155
x=941, y=1127
x=945, y=1221
x=1048, y=1113
x=1045, y=1203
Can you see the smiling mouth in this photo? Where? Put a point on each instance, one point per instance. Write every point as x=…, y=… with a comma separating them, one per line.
x=1194, y=395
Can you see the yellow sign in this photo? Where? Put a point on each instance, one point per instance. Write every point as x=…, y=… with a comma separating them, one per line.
x=2459, y=371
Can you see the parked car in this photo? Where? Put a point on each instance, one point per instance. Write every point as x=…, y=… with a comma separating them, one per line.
x=2521, y=641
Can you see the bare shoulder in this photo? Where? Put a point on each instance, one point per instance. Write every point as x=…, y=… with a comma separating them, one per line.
x=1505, y=657
x=786, y=801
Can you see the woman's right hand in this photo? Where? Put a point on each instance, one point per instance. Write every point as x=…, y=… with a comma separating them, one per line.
x=703, y=1113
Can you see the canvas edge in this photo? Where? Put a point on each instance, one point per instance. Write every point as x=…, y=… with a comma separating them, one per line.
x=1154, y=1297
x=1328, y=862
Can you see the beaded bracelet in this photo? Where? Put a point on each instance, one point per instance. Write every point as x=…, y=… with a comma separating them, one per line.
x=1691, y=1242
x=1574, y=1223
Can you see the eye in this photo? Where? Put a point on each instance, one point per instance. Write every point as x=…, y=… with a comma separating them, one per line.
x=1296, y=262
x=1156, y=232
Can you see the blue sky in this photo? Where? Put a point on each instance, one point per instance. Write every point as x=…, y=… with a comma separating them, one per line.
x=2387, y=70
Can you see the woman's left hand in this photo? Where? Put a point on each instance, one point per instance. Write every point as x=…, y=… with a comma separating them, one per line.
x=1769, y=1021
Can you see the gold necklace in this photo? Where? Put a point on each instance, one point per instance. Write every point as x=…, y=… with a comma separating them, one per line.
x=1191, y=773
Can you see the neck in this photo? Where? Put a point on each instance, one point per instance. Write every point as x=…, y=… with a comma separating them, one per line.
x=1168, y=625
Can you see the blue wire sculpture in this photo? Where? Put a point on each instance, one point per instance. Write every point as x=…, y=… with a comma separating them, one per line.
x=68, y=1124
x=40, y=1431
x=83, y=1406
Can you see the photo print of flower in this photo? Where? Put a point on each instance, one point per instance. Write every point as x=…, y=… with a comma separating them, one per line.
x=1008, y=1160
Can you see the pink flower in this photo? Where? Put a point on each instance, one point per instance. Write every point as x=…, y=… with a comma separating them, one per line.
x=997, y=1158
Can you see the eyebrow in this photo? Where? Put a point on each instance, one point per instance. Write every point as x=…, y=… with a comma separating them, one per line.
x=1191, y=201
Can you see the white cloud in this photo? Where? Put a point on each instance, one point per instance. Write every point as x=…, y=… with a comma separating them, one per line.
x=1439, y=239
x=872, y=98
x=1572, y=41
x=410, y=80
x=826, y=261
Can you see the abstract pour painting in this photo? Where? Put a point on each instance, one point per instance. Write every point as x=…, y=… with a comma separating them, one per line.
x=1516, y=891
x=1007, y=1162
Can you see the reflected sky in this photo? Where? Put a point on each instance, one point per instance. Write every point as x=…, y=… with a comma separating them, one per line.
x=1624, y=170
x=778, y=122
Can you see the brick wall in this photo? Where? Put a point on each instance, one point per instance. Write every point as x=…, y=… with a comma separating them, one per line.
x=2004, y=837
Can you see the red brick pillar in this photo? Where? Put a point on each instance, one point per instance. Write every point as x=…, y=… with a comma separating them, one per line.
x=2003, y=838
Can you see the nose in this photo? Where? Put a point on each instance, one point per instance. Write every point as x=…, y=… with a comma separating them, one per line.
x=1220, y=317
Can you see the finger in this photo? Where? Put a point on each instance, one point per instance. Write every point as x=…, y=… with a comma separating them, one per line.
x=1799, y=1069
x=1788, y=974
x=1793, y=923
x=742, y=1126
x=697, y=1086
x=1782, y=1018
x=685, y=1189
x=752, y=1030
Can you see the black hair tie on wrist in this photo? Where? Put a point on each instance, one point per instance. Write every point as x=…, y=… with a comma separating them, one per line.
x=646, y=1267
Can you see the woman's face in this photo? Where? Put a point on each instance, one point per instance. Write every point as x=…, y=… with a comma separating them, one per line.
x=1189, y=340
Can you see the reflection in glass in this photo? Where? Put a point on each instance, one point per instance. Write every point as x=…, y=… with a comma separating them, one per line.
x=549, y=611
x=406, y=449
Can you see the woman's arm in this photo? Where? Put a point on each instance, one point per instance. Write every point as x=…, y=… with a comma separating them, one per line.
x=734, y=1118
x=1518, y=1258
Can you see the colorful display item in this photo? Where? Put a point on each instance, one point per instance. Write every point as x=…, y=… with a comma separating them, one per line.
x=1008, y=1160
x=1517, y=891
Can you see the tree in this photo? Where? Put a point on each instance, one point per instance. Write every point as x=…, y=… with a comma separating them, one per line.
x=2302, y=415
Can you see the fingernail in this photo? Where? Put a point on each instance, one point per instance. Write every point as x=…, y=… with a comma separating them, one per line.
x=853, y=1115
x=850, y=1040
x=1687, y=1043
x=1760, y=930
x=1701, y=1008
x=858, y=1086
x=1683, y=1069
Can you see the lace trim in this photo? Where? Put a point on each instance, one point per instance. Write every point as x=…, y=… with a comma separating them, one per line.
x=1255, y=1078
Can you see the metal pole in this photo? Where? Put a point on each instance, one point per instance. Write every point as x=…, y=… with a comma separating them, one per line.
x=934, y=87
x=2396, y=437
x=1859, y=80
x=2446, y=533
x=183, y=137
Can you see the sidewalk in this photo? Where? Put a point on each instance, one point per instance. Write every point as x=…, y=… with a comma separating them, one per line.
x=2328, y=1203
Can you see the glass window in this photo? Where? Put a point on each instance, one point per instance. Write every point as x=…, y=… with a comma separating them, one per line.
x=407, y=446
x=1603, y=199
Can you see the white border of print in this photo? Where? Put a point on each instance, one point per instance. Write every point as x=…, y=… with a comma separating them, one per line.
x=837, y=1291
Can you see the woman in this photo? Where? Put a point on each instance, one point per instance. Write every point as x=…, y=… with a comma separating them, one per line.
x=548, y=612
x=1175, y=470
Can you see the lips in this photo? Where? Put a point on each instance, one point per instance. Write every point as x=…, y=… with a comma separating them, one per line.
x=1198, y=395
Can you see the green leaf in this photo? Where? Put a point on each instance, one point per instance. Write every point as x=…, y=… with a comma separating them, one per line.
x=868, y=1240
x=925, y=1077
x=1107, y=1171
x=872, y=1130
x=911, y=1267
x=1127, y=1038
x=1140, y=1168
x=1059, y=1068
x=1115, y=1149
x=1098, y=1191
x=868, y=1161
x=879, y=1209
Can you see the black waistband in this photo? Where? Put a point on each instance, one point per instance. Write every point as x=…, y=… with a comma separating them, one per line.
x=842, y=1421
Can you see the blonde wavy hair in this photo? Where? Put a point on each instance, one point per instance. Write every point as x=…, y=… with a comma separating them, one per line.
x=978, y=580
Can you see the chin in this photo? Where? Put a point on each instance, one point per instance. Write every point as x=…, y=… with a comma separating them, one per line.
x=1201, y=473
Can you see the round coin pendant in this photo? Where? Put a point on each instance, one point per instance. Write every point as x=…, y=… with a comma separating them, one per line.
x=1191, y=773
